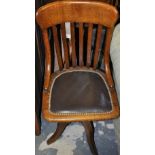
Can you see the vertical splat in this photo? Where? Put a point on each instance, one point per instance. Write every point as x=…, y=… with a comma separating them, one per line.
x=57, y=47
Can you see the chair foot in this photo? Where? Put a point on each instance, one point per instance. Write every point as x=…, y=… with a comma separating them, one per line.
x=89, y=128
x=60, y=128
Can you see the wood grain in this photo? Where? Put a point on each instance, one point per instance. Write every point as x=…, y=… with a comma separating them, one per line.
x=66, y=52
x=76, y=11
x=89, y=43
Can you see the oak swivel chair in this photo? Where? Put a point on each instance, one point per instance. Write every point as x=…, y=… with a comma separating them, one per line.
x=80, y=91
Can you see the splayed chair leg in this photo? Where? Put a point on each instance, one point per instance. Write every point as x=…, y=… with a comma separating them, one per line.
x=89, y=128
x=60, y=128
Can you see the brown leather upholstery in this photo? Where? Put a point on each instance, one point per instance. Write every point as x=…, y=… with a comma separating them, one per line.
x=79, y=91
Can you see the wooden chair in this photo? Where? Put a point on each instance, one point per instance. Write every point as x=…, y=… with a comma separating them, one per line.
x=80, y=91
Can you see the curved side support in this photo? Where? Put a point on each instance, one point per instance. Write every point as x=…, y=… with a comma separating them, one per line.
x=107, y=56
x=47, y=59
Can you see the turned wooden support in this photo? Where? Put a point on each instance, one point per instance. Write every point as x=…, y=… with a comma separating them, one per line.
x=89, y=129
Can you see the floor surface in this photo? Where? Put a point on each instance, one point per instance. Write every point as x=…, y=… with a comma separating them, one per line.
x=73, y=141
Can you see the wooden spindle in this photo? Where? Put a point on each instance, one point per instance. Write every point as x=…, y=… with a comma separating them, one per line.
x=66, y=52
x=97, y=48
x=89, y=43
x=81, y=44
x=73, y=51
x=57, y=47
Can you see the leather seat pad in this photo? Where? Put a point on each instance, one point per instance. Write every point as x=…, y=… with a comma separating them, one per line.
x=80, y=91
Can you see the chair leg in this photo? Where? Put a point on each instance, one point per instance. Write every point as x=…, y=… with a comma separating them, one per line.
x=37, y=126
x=60, y=128
x=89, y=128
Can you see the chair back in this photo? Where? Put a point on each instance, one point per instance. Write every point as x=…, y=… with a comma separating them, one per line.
x=86, y=18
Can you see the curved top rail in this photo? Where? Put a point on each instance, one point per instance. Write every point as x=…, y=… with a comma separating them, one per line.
x=76, y=11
